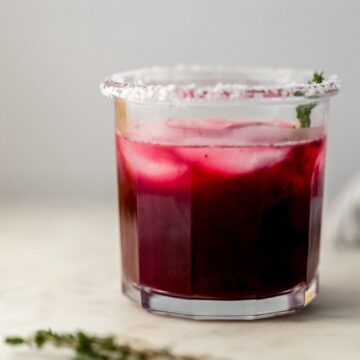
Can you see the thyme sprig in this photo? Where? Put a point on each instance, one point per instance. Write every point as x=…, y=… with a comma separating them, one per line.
x=91, y=347
x=303, y=112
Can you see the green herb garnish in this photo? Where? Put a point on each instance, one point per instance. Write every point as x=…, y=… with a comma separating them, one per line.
x=303, y=112
x=318, y=77
x=90, y=347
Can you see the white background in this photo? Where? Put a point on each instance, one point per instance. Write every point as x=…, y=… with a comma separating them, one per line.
x=59, y=264
x=56, y=129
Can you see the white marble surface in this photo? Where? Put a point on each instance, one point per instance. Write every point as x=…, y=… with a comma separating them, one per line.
x=59, y=269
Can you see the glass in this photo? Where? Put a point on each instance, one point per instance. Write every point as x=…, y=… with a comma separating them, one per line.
x=220, y=173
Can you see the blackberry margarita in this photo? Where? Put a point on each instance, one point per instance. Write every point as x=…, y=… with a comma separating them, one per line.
x=220, y=216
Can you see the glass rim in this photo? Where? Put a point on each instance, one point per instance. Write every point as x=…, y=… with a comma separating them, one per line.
x=206, y=84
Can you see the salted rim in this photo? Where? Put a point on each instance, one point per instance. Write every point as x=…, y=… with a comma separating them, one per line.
x=181, y=84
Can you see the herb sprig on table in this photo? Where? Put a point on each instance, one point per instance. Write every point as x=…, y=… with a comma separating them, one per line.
x=90, y=347
x=303, y=112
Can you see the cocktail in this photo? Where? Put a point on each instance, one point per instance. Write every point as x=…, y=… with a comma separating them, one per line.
x=220, y=175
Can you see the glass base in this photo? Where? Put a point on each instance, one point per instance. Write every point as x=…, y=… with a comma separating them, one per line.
x=202, y=309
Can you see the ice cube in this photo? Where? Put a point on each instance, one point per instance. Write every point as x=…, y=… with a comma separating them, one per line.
x=206, y=132
x=152, y=162
x=225, y=132
x=151, y=132
x=234, y=160
x=260, y=134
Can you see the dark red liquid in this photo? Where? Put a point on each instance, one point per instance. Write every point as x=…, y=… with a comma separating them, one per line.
x=218, y=221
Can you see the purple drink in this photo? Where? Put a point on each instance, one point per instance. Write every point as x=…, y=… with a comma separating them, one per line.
x=218, y=219
x=221, y=173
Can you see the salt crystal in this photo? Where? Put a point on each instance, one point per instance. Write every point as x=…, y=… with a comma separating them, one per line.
x=136, y=86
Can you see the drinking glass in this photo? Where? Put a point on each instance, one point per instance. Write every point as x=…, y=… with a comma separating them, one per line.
x=220, y=174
